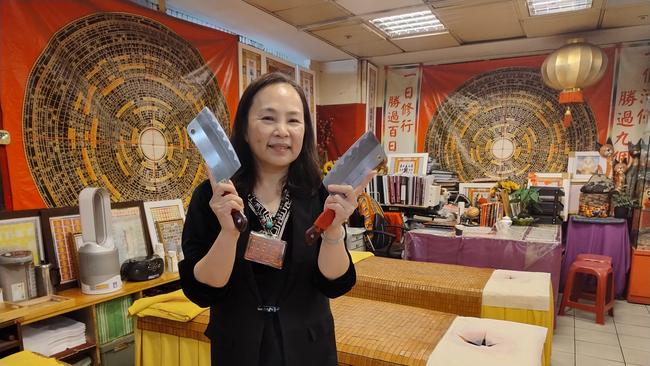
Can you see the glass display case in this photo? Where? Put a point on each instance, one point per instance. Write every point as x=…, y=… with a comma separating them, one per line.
x=639, y=280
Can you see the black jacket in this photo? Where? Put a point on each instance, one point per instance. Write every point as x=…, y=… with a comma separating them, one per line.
x=236, y=326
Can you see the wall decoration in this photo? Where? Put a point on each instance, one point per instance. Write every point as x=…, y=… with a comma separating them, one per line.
x=109, y=89
x=371, y=96
x=250, y=61
x=169, y=233
x=401, y=102
x=475, y=191
x=157, y=211
x=307, y=82
x=21, y=230
x=275, y=65
x=415, y=164
x=129, y=230
x=586, y=163
x=59, y=227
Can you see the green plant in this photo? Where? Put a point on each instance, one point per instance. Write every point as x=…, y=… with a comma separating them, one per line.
x=527, y=198
x=621, y=199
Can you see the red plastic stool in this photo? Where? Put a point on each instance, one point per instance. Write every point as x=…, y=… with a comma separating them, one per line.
x=604, y=289
x=594, y=258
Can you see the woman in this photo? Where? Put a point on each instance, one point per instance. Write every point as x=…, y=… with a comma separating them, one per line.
x=259, y=314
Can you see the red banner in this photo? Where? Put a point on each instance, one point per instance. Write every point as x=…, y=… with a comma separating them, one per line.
x=30, y=32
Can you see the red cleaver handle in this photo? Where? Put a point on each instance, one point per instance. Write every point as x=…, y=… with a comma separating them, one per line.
x=323, y=221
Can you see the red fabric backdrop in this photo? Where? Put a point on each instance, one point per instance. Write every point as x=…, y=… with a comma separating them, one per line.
x=27, y=26
x=438, y=81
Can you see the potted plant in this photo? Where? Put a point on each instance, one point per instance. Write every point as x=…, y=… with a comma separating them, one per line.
x=527, y=198
x=622, y=204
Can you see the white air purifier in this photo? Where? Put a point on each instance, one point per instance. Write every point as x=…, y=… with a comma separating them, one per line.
x=99, y=264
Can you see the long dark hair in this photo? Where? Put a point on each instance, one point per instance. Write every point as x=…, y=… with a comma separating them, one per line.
x=303, y=178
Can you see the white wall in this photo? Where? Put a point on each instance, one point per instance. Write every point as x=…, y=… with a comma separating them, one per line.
x=339, y=82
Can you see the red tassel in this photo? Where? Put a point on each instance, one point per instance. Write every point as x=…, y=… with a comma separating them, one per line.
x=567, y=118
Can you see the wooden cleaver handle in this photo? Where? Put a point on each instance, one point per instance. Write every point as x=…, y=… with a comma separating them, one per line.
x=323, y=221
x=241, y=222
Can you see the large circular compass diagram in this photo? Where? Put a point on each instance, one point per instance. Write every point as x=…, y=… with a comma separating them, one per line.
x=106, y=104
x=507, y=123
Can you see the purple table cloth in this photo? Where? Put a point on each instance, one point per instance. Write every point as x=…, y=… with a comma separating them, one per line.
x=608, y=239
x=537, y=249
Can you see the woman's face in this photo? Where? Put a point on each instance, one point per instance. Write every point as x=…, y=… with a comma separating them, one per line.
x=276, y=126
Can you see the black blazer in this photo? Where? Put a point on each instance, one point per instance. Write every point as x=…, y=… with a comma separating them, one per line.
x=236, y=326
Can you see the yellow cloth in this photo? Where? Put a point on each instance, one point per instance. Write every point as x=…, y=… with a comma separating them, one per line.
x=359, y=256
x=179, y=351
x=174, y=306
x=28, y=358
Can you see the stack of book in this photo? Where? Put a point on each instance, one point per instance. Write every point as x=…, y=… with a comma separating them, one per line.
x=410, y=190
x=54, y=335
x=445, y=179
x=113, y=320
x=490, y=213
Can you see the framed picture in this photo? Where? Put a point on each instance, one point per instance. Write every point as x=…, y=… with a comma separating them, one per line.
x=130, y=233
x=308, y=84
x=475, y=191
x=156, y=211
x=560, y=180
x=21, y=230
x=371, y=93
x=415, y=164
x=170, y=232
x=250, y=65
x=59, y=227
x=275, y=65
x=586, y=163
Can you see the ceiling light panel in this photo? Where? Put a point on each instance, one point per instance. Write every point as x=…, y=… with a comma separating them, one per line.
x=544, y=7
x=403, y=25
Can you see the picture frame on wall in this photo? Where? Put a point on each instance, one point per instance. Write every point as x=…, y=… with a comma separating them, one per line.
x=585, y=163
x=474, y=191
x=371, y=93
x=251, y=65
x=276, y=65
x=21, y=230
x=156, y=211
x=413, y=163
x=59, y=228
x=308, y=84
x=130, y=233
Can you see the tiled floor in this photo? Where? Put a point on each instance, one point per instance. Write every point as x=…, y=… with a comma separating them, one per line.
x=623, y=340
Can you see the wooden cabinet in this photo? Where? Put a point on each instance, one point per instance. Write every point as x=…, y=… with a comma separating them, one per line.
x=639, y=286
x=10, y=338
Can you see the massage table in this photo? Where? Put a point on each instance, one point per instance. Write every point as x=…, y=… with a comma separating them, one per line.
x=523, y=297
x=369, y=333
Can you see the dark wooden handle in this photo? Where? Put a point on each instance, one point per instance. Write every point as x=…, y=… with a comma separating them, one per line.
x=241, y=222
x=323, y=221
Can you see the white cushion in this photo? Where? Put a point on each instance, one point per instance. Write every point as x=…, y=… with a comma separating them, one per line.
x=518, y=290
x=507, y=344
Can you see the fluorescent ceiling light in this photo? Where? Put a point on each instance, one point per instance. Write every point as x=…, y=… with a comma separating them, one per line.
x=410, y=24
x=543, y=7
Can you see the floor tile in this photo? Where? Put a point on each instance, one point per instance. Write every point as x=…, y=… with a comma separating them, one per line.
x=633, y=330
x=584, y=360
x=564, y=321
x=628, y=308
x=565, y=331
x=562, y=359
x=593, y=336
x=592, y=325
x=592, y=316
x=629, y=341
x=563, y=343
x=638, y=320
x=636, y=357
x=595, y=350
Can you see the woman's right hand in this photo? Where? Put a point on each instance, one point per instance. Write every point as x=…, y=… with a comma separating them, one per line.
x=224, y=200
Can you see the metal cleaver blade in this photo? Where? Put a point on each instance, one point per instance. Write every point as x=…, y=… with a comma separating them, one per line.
x=214, y=145
x=363, y=156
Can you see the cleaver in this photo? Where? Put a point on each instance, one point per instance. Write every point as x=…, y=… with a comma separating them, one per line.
x=214, y=145
x=364, y=155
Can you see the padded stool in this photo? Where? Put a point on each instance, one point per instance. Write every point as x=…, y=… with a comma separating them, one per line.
x=604, y=299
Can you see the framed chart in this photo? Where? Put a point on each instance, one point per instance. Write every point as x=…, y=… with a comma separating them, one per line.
x=130, y=233
x=275, y=65
x=170, y=232
x=21, y=230
x=308, y=84
x=250, y=65
x=415, y=164
x=156, y=211
x=59, y=227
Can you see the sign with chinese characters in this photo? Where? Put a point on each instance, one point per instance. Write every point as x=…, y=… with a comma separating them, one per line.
x=630, y=98
x=401, y=109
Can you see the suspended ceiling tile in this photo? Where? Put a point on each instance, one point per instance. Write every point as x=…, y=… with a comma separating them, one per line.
x=347, y=34
x=627, y=16
x=358, y=7
x=548, y=25
x=482, y=22
x=310, y=14
x=437, y=4
x=277, y=5
x=430, y=42
x=369, y=49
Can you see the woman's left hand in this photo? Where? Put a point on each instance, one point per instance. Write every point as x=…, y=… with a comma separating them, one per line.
x=343, y=199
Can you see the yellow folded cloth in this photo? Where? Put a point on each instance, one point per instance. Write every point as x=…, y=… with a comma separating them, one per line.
x=28, y=358
x=359, y=256
x=174, y=306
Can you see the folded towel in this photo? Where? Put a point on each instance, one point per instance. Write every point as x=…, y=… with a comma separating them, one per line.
x=359, y=256
x=28, y=358
x=174, y=306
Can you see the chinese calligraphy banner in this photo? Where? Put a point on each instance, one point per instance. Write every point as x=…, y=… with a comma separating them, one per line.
x=630, y=97
x=401, y=109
